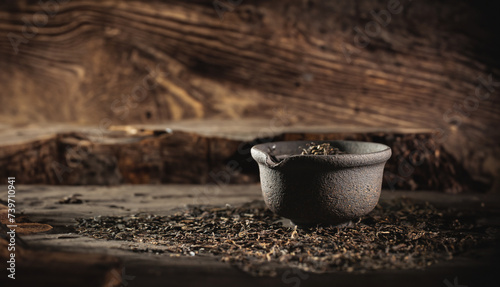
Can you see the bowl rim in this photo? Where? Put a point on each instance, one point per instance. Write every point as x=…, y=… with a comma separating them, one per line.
x=262, y=156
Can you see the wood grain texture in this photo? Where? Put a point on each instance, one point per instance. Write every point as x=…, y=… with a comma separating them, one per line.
x=52, y=268
x=149, y=269
x=142, y=155
x=119, y=62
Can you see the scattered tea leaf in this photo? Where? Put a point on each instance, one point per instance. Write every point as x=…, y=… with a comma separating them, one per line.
x=397, y=235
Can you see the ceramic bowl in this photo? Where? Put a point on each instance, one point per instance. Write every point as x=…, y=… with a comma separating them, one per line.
x=321, y=189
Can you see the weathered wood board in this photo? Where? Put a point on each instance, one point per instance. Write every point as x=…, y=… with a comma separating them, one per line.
x=201, y=152
x=56, y=268
x=41, y=204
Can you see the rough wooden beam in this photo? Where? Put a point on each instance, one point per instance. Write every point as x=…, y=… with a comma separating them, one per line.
x=139, y=154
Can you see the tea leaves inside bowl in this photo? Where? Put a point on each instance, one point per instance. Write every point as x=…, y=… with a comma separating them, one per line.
x=321, y=149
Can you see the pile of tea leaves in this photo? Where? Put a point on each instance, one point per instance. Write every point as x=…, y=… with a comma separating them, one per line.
x=397, y=235
x=321, y=149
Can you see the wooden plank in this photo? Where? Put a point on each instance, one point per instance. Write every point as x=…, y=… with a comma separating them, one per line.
x=52, y=268
x=28, y=267
x=41, y=203
x=204, y=152
x=208, y=69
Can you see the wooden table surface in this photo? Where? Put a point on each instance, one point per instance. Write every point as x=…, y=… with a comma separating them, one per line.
x=41, y=204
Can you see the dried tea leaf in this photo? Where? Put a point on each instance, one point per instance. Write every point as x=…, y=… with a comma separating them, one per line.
x=321, y=149
x=398, y=235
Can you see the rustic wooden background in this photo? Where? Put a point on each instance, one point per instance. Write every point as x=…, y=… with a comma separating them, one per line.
x=435, y=65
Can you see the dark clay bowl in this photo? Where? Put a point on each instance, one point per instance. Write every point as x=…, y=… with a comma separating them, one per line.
x=321, y=189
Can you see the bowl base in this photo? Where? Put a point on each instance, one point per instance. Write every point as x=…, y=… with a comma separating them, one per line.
x=310, y=225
